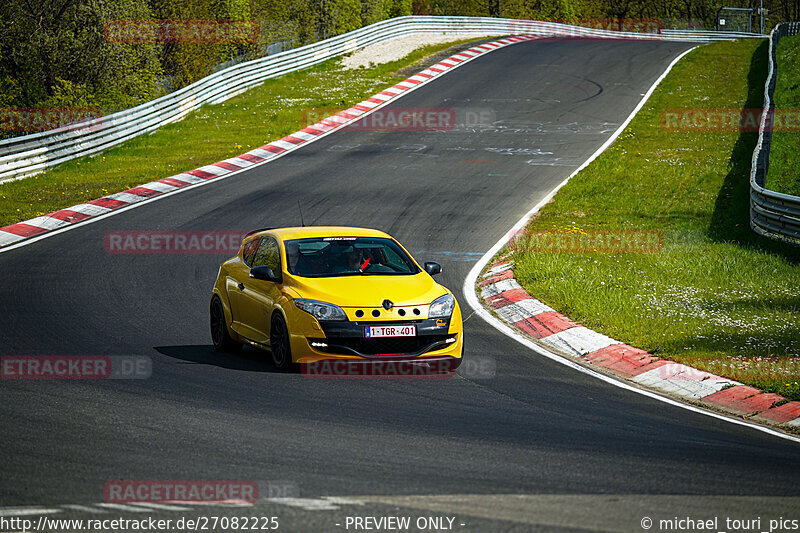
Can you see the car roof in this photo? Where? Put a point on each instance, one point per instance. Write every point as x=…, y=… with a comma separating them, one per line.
x=308, y=232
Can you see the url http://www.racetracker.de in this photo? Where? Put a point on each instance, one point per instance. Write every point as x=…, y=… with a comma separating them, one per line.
x=46, y=524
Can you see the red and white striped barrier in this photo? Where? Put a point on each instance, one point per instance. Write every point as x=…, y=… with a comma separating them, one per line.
x=78, y=213
x=515, y=306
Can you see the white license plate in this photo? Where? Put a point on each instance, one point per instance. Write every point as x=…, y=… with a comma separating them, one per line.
x=391, y=331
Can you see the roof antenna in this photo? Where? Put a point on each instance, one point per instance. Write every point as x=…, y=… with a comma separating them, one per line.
x=301, y=214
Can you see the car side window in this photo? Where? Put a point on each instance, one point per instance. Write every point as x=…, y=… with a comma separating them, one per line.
x=268, y=255
x=249, y=251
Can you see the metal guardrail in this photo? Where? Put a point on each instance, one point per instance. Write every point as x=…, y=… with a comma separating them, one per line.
x=772, y=214
x=30, y=154
x=707, y=35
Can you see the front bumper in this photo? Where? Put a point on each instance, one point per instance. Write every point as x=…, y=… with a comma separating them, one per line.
x=348, y=338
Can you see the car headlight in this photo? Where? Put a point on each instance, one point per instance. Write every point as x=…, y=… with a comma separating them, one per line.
x=442, y=306
x=320, y=310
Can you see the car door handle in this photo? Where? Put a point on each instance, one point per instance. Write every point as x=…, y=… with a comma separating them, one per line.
x=241, y=286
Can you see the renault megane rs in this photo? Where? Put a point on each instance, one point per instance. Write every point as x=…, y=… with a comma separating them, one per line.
x=315, y=293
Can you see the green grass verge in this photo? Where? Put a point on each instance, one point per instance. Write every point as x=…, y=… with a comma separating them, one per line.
x=715, y=296
x=212, y=133
x=784, y=156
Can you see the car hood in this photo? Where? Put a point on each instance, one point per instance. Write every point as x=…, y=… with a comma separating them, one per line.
x=370, y=291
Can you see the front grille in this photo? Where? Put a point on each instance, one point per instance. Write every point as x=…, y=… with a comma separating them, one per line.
x=384, y=345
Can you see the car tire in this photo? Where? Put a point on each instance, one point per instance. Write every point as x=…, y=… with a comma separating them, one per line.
x=279, y=345
x=219, y=329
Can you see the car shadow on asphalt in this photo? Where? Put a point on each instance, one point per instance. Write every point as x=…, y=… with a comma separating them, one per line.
x=249, y=359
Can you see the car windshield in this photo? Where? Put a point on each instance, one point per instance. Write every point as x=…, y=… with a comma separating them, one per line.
x=347, y=256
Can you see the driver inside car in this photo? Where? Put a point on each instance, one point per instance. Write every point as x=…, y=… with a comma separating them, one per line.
x=349, y=259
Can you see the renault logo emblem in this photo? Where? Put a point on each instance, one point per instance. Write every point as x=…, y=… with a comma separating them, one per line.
x=387, y=304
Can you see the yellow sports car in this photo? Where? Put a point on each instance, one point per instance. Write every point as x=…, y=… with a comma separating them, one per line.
x=310, y=294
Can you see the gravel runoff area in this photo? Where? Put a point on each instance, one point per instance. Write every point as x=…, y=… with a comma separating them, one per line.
x=400, y=47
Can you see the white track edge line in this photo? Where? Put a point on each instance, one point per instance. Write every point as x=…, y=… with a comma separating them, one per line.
x=469, y=282
x=473, y=300
x=30, y=240
x=471, y=279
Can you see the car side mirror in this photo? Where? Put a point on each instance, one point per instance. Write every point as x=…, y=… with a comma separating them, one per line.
x=265, y=273
x=432, y=267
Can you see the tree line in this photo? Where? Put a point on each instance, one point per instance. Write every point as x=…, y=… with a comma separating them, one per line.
x=57, y=53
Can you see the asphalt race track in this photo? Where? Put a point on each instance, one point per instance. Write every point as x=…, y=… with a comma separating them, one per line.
x=537, y=446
